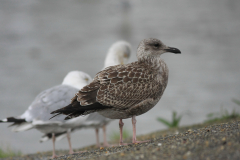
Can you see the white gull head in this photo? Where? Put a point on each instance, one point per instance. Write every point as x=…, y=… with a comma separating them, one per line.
x=118, y=53
x=77, y=79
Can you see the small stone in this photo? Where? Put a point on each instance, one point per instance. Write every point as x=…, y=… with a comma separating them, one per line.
x=122, y=154
x=173, y=146
x=101, y=148
x=206, y=143
x=188, y=153
x=222, y=148
x=159, y=144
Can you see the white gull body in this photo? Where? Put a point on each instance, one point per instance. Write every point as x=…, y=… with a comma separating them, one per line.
x=38, y=113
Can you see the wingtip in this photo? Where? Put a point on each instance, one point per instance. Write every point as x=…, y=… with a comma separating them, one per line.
x=53, y=112
x=54, y=116
x=56, y=111
x=67, y=118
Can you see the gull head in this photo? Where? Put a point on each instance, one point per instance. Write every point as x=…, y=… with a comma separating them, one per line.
x=77, y=79
x=118, y=53
x=153, y=47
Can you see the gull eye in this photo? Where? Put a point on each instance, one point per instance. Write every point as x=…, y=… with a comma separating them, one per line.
x=156, y=45
x=86, y=79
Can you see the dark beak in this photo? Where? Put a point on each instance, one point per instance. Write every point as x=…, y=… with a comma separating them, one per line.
x=173, y=50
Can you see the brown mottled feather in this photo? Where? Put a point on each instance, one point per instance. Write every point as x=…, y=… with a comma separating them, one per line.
x=122, y=86
x=122, y=91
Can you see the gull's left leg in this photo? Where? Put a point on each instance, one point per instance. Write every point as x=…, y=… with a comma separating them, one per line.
x=97, y=137
x=53, y=140
x=70, y=144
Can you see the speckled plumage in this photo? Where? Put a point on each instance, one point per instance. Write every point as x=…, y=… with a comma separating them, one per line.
x=124, y=86
x=123, y=91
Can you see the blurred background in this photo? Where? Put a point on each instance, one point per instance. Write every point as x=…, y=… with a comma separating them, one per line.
x=41, y=41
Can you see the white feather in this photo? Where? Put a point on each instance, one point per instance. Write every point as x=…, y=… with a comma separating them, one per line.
x=22, y=127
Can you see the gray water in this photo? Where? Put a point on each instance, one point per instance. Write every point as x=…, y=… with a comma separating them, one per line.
x=40, y=41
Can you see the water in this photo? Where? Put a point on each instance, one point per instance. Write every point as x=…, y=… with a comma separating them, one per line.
x=40, y=41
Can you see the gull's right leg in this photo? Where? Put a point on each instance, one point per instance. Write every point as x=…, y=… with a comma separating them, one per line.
x=121, y=129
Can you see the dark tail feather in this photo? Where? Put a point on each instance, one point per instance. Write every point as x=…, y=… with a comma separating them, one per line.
x=54, y=115
x=65, y=110
x=73, y=115
x=75, y=109
x=13, y=120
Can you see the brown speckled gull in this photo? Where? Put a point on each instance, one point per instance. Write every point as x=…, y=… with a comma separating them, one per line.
x=125, y=91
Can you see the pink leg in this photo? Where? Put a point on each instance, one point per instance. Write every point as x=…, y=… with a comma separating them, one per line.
x=121, y=129
x=105, y=143
x=97, y=137
x=134, y=139
x=134, y=121
x=69, y=142
x=53, y=140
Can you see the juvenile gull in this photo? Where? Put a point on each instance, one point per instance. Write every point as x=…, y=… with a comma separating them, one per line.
x=125, y=91
x=38, y=113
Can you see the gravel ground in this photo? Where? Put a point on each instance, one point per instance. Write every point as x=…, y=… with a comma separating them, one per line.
x=219, y=141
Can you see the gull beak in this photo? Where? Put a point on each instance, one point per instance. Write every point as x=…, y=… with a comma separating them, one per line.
x=126, y=55
x=173, y=50
x=121, y=61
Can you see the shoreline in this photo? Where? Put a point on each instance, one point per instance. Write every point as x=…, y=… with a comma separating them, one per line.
x=218, y=140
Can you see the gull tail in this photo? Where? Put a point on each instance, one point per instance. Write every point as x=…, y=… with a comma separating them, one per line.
x=12, y=119
x=75, y=109
x=18, y=124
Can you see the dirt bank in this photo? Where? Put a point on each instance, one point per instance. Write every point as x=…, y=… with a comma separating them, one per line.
x=203, y=141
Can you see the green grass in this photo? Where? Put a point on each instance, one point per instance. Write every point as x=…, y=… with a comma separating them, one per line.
x=115, y=135
x=8, y=152
x=171, y=124
x=224, y=114
x=236, y=101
